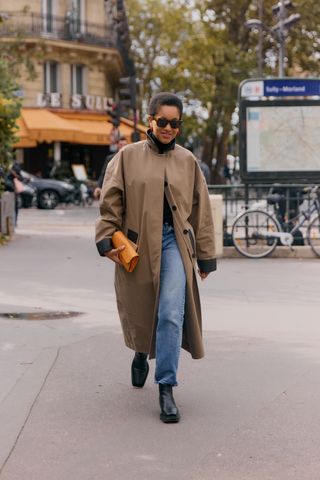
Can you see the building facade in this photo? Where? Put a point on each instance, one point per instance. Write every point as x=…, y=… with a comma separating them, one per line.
x=79, y=49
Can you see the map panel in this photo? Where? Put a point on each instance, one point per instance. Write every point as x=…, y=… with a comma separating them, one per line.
x=283, y=138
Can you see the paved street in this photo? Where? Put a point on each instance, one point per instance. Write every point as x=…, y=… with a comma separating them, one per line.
x=250, y=408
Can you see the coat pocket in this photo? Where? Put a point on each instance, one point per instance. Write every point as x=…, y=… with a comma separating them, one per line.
x=132, y=235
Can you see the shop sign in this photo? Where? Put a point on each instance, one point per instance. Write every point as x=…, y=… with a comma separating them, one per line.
x=49, y=100
x=77, y=101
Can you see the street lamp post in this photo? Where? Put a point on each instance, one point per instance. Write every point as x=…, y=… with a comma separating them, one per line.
x=260, y=44
x=282, y=13
x=278, y=31
x=256, y=24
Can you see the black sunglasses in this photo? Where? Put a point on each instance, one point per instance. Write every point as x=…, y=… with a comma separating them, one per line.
x=163, y=122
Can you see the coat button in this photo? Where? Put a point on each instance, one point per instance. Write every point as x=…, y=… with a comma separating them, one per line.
x=193, y=255
x=174, y=207
x=185, y=232
x=165, y=183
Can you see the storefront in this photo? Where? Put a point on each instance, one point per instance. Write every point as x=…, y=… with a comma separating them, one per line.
x=51, y=140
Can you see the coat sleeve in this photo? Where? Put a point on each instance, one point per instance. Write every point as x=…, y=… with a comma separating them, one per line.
x=112, y=204
x=202, y=224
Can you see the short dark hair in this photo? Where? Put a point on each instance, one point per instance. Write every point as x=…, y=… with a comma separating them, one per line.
x=164, y=98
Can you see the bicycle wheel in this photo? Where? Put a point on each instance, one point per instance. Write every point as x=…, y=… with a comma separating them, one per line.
x=252, y=234
x=313, y=235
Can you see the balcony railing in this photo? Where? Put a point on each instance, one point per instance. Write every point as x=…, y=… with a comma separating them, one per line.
x=68, y=28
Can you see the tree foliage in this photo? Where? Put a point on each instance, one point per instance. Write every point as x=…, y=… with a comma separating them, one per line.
x=10, y=106
x=202, y=50
x=18, y=60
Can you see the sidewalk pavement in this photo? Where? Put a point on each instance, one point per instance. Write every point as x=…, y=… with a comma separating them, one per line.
x=67, y=410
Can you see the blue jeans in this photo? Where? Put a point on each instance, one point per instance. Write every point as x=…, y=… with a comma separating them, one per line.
x=171, y=309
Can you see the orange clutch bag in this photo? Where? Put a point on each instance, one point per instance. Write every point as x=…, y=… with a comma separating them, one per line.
x=128, y=257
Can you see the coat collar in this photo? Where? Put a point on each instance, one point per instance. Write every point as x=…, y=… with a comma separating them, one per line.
x=157, y=146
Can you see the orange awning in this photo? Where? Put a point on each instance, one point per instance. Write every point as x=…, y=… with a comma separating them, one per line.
x=45, y=126
x=93, y=132
x=22, y=133
x=95, y=128
x=126, y=122
x=37, y=125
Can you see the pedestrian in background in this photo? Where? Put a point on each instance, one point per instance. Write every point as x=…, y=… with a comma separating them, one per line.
x=155, y=193
x=14, y=183
x=121, y=142
x=205, y=170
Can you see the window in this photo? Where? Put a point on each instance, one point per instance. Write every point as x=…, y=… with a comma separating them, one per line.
x=50, y=76
x=47, y=15
x=77, y=79
x=78, y=9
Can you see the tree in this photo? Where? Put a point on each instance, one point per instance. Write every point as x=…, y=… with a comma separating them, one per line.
x=164, y=53
x=10, y=106
x=203, y=50
x=18, y=59
x=149, y=26
x=224, y=21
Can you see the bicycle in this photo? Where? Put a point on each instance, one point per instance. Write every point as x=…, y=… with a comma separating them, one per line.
x=83, y=193
x=256, y=232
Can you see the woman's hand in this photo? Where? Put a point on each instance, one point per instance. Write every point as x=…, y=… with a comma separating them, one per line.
x=114, y=254
x=97, y=193
x=203, y=275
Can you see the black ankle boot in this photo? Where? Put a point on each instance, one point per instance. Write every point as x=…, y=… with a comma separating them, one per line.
x=169, y=411
x=139, y=369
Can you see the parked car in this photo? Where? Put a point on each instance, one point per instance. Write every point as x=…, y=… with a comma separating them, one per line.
x=49, y=192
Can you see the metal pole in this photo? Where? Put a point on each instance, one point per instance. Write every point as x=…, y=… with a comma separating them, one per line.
x=260, y=44
x=282, y=14
x=135, y=120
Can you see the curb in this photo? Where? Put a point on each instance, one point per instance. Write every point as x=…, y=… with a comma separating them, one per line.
x=279, y=252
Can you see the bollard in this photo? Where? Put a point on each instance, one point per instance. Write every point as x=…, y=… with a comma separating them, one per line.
x=216, y=207
x=7, y=213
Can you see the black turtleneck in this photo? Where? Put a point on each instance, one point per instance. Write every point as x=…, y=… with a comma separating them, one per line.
x=163, y=148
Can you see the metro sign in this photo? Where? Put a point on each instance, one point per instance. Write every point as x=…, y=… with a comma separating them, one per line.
x=252, y=89
x=281, y=87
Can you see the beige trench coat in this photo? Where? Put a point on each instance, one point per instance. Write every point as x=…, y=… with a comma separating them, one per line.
x=132, y=201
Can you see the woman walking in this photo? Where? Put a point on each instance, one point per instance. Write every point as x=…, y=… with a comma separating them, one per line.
x=155, y=193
